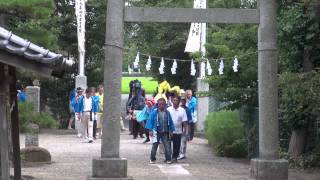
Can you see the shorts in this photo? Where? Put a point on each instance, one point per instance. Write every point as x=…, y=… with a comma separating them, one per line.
x=99, y=120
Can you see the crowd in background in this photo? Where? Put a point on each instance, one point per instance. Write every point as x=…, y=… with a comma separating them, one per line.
x=168, y=120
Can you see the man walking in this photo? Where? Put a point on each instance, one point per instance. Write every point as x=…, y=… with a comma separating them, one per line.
x=192, y=105
x=185, y=136
x=179, y=118
x=77, y=104
x=88, y=110
x=161, y=126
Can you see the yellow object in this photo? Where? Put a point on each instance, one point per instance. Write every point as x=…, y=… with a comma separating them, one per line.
x=165, y=87
x=100, y=101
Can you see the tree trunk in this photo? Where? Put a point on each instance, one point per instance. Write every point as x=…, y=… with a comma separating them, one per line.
x=297, y=142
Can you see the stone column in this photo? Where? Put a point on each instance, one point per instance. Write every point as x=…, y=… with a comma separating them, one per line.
x=32, y=138
x=268, y=166
x=33, y=96
x=110, y=165
x=202, y=104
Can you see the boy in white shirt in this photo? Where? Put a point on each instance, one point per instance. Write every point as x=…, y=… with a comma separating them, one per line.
x=179, y=118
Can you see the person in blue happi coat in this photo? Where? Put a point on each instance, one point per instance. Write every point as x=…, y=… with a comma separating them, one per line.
x=161, y=127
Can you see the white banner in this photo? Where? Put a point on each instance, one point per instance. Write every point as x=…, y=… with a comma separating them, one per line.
x=80, y=7
x=195, y=41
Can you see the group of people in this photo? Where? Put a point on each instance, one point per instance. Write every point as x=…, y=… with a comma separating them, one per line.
x=86, y=109
x=168, y=121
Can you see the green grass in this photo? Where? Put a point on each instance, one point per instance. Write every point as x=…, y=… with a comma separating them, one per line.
x=148, y=84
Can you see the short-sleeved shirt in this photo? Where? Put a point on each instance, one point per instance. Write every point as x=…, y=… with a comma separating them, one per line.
x=178, y=116
x=100, y=101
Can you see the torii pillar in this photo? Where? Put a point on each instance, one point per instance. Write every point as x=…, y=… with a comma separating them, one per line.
x=268, y=166
x=110, y=165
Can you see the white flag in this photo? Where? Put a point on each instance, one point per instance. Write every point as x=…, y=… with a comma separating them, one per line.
x=148, y=65
x=162, y=66
x=197, y=34
x=80, y=7
x=209, y=69
x=235, y=64
x=221, y=67
x=194, y=38
x=174, y=67
x=193, y=69
x=136, y=61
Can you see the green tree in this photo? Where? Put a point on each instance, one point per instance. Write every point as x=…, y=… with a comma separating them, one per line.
x=299, y=47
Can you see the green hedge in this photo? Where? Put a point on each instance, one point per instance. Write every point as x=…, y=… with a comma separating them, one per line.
x=226, y=134
x=27, y=114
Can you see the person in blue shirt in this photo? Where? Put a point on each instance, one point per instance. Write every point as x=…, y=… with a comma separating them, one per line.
x=95, y=110
x=186, y=135
x=76, y=104
x=161, y=127
x=192, y=105
x=21, y=96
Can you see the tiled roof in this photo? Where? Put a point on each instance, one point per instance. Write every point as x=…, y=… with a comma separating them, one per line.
x=22, y=47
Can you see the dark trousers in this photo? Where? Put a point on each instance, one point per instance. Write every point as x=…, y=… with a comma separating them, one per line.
x=164, y=137
x=130, y=126
x=191, y=130
x=136, y=129
x=94, y=128
x=176, y=141
x=146, y=131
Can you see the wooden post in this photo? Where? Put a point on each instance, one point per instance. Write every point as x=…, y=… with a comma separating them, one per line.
x=15, y=124
x=4, y=140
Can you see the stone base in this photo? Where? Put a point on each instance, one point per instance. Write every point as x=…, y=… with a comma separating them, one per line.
x=269, y=169
x=35, y=154
x=128, y=178
x=109, y=169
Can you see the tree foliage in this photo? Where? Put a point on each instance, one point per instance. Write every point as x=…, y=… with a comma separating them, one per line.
x=298, y=36
x=227, y=41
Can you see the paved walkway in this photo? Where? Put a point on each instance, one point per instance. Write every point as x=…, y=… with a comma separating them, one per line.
x=72, y=161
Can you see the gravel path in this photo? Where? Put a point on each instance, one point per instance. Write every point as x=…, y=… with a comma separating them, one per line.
x=72, y=161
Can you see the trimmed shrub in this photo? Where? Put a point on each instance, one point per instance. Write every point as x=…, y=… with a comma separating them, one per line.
x=27, y=114
x=226, y=134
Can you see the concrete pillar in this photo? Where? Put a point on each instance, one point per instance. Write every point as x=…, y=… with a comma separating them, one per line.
x=4, y=134
x=110, y=165
x=268, y=166
x=202, y=104
x=33, y=96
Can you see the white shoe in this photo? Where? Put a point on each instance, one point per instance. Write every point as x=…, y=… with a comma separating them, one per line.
x=79, y=135
x=152, y=162
x=181, y=156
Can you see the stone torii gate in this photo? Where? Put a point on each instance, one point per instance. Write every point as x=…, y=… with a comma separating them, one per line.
x=268, y=165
